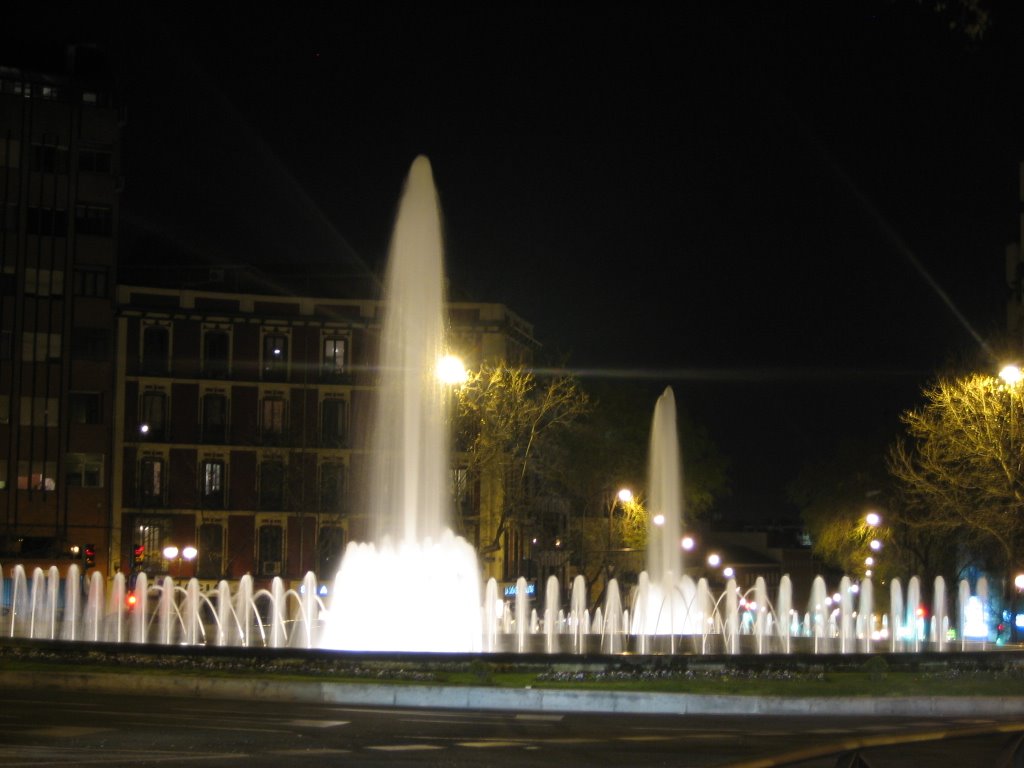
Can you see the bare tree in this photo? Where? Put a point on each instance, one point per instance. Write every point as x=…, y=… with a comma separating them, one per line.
x=508, y=425
x=961, y=468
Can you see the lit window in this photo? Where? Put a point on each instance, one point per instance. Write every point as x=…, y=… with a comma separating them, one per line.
x=333, y=363
x=275, y=356
x=151, y=481
x=213, y=483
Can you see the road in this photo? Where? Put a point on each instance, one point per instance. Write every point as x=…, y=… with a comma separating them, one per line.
x=54, y=728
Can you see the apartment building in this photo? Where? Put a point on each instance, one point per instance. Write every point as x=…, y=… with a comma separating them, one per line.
x=59, y=190
x=241, y=426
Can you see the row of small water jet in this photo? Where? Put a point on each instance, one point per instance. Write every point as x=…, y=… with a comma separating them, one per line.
x=75, y=608
x=688, y=617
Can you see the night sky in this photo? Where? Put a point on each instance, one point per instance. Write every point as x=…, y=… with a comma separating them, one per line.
x=792, y=212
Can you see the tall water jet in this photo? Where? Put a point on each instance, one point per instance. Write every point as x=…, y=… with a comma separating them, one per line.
x=409, y=497
x=663, y=612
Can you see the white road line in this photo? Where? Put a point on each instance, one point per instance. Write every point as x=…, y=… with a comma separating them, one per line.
x=488, y=744
x=317, y=723
x=404, y=747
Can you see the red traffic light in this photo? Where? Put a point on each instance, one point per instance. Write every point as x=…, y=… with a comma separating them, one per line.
x=130, y=600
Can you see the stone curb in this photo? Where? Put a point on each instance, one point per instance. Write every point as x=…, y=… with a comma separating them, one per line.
x=508, y=699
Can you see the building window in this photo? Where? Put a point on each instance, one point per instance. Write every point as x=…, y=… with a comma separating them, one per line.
x=210, y=560
x=329, y=548
x=332, y=487
x=151, y=533
x=37, y=475
x=151, y=481
x=271, y=549
x=49, y=159
x=85, y=407
x=213, y=483
x=275, y=357
x=5, y=409
x=39, y=412
x=272, y=484
x=216, y=351
x=272, y=414
x=333, y=423
x=91, y=219
x=44, y=282
x=84, y=470
x=95, y=160
x=153, y=415
x=10, y=153
x=156, y=348
x=8, y=223
x=215, y=418
x=332, y=365
x=40, y=347
x=91, y=344
x=3, y=474
x=47, y=221
x=91, y=281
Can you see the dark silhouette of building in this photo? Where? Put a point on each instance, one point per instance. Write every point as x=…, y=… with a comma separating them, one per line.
x=59, y=188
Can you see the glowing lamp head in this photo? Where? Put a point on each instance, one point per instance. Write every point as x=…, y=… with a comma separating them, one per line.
x=1011, y=374
x=875, y=545
x=450, y=370
x=688, y=543
x=872, y=519
x=714, y=560
x=170, y=552
x=658, y=519
x=189, y=552
x=625, y=495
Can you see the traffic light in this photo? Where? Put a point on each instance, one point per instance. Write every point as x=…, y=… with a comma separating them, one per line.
x=90, y=556
x=130, y=600
x=139, y=554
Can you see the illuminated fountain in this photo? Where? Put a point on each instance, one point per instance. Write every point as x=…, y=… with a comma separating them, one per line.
x=410, y=497
x=416, y=586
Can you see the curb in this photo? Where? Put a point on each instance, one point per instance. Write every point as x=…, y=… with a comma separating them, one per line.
x=509, y=699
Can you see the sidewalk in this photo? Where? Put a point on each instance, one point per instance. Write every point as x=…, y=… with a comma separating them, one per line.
x=507, y=699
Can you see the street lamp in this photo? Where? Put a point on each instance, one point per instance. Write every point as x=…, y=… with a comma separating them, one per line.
x=873, y=519
x=623, y=496
x=1011, y=374
x=451, y=370
x=188, y=553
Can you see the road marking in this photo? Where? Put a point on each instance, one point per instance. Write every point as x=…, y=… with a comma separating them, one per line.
x=66, y=731
x=317, y=723
x=487, y=744
x=404, y=747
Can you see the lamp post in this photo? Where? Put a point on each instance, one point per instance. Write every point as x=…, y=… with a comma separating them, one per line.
x=622, y=496
x=172, y=553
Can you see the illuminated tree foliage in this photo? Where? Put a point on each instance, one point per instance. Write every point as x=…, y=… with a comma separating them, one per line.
x=508, y=428
x=960, y=470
